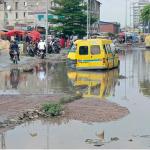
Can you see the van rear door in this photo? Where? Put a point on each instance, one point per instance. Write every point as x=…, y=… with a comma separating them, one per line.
x=83, y=57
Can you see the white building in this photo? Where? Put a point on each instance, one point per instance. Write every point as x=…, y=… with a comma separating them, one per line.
x=137, y=7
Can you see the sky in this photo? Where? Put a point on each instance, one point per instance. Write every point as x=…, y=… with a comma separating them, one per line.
x=114, y=11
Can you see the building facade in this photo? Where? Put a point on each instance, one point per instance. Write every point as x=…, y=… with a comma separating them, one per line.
x=20, y=12
x=23, y=13
x=94, y=10
x=109, y=27
x=137, y=7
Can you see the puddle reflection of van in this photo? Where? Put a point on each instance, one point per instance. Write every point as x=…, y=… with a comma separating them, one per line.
x=95, y=84
x=147, y=41
x=147, y=56
x=93, y=54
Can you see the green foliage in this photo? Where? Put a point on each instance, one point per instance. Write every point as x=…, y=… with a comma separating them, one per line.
x=145, y=13
x=74, y=17
x=52, y=109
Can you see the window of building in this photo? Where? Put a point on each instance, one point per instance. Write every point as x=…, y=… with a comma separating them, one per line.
x=25, y=3
x=95, y=49
x=83, y=50
x=16, y=15
x=16, y=5
x=24, y=14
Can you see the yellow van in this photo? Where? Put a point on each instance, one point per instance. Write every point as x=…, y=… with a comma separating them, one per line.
x=95, y=84
x=93, y=54
x=147, y=41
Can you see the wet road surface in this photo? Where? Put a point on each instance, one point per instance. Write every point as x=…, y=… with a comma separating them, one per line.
x=129, y=86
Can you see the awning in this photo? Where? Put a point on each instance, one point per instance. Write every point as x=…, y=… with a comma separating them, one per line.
x=35, y=35
x=15, y=32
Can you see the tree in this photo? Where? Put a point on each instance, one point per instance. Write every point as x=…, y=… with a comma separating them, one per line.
x=145, y=16
x=71, y=16
x=145, y=13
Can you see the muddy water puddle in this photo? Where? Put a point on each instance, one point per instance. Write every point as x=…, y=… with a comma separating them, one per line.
x=128, y=86
x=43, y=78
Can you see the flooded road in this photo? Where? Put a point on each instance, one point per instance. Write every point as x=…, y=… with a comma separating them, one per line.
x=43, y=78
x=129, y=87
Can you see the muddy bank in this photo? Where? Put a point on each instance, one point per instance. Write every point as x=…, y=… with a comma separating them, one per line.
x=95, y=110
x=12, y=106
x=16, y=110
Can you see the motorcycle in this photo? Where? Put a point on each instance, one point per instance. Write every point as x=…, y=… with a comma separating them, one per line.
x=30, y=51
x=54, y=47
x=15, y=57
x=41, y=53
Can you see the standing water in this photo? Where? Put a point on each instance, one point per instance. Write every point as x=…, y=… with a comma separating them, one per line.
x=128, y=86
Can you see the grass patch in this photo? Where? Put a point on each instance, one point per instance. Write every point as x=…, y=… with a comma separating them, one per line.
x=55, y=109
x=52, y=109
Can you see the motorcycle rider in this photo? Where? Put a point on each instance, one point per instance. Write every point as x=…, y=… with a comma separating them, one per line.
x=14, y=47
x=42, y=46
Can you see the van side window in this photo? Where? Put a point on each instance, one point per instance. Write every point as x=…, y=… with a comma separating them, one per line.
x=95, y=49
x=83, y=50
x=108, y=48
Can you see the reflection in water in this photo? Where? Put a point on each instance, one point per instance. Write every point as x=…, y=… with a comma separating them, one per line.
x=101, y=135
x=14, y=78
x=145, y=83
x=45, y=78
x=3, y=144
x=145, y=87
x=95, y=84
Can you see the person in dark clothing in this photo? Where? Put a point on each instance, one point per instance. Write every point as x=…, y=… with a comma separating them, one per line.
x=14, y=47
x=27, y=39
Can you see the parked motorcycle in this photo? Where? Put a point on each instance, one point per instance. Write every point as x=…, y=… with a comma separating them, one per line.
x=30, y=51
x=54, y=46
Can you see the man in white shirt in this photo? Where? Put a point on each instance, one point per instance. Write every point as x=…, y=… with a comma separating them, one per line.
x=41, y=45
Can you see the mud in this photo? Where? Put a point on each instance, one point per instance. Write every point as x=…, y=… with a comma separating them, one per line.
x=95, y=110
x=12, y=106
x=86, y=110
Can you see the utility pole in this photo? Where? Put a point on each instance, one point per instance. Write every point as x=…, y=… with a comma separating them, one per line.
x=126, y=21
x=4, y=13
x=46, y=36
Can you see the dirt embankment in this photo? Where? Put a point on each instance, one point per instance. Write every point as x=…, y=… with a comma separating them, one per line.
x=86, y=110
x=95, y=110
x=12, y=106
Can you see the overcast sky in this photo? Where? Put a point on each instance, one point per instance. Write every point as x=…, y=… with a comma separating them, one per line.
x=114, y=10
